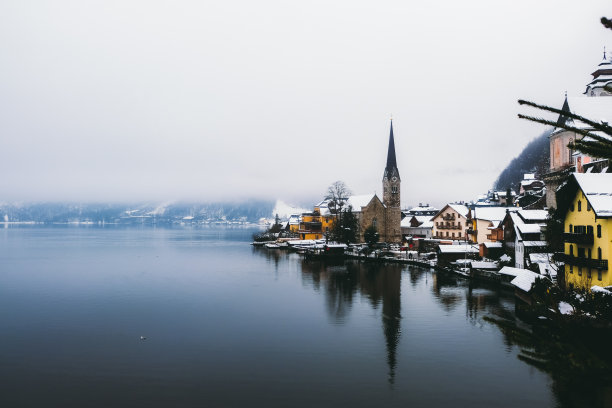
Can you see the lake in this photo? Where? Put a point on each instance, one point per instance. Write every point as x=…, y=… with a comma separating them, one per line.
x=230, y=325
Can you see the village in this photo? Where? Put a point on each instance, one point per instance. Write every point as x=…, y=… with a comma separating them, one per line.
x=554, y=227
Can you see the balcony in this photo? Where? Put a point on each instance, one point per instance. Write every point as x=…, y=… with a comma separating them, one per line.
x=586, y=262
x=471, y=231
x=578, y=238
x=448, y=217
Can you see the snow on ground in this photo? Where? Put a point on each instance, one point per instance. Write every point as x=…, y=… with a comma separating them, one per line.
x=565, y=308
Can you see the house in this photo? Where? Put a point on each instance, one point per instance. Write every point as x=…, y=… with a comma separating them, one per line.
x=585, y=204
x=521, y=280
x=422, y=210
x=597, y=106
x=452, y=253
x=316, y=224
x=417, y=226
x=451, y=222
x=484, y=221
x=523, y=234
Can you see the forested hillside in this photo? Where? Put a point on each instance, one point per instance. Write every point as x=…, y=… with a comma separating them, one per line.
x=533, y=159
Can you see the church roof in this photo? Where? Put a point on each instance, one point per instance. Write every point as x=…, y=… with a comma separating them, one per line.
x=391, y=167
x=593, y=108
x=602, y=74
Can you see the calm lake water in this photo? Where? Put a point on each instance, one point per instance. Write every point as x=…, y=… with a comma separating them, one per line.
x=229, y=325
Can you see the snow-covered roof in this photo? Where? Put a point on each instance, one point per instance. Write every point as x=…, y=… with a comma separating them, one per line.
x=484, y=265
x=533, y=215
x=358, y=201
x=597, y=187
x=540, y=257
x=547, y=269
x=523, y=278
x=460, y=208
x=492, y=244
x=423, y=220
x=457, y=249
x=423, y=208
x=535, y=243
x=529, y=228
x=427, y=224
x=490, y=213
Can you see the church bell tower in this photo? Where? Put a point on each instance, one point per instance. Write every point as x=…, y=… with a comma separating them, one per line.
x=391, y=195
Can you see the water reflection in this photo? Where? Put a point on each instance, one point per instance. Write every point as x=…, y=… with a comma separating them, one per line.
x=381, y=284
x=577, y=377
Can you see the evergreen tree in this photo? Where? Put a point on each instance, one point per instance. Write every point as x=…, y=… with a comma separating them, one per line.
x=345, y=229
x=371, y=235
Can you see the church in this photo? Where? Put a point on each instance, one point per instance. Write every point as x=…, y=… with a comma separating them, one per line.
x=385, y=215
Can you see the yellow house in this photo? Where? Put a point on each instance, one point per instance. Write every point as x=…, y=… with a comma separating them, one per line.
x=586, y=201
x=314, y=225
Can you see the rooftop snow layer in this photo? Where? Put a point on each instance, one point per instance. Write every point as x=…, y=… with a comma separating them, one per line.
x=457, y=249
x=460, y=208
x=598, y=189
x=534, y=215
x=490, y=213
x=529, y=228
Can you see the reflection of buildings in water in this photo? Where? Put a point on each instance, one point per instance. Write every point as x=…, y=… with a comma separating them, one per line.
x=445, y=289
x=381, y=284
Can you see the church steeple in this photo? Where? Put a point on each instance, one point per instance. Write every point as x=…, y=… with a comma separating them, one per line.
x=391, y=195
x=391, y=168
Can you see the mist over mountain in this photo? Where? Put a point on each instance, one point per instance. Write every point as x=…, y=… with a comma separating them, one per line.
x=248, y=211
x=534, y=158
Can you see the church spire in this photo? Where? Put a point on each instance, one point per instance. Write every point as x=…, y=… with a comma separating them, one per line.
x=391, y=168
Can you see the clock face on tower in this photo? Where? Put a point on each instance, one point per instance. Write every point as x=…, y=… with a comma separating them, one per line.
x=394, y=179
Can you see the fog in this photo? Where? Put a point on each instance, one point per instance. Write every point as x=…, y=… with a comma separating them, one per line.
x=198, y=100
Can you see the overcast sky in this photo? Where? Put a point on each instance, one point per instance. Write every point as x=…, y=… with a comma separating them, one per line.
x=202, y=100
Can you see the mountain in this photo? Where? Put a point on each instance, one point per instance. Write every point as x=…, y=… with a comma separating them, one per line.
x=142, y=213
x=534, y=158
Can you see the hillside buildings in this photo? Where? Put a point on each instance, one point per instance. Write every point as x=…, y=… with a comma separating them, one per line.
x=451, y=222
x=597, y=106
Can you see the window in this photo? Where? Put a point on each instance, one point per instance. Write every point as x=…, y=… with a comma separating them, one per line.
x=589, y=251
x=599, y=274
x=459, y=225
x=572, y=207
x=579, y=271
x=590, y=229
x=459, y=235
x=599, y=253
x=374, y=222
x=571, y=229
x=588, y=206
x=589, y=273
x=393, y=189
x=579, y=205
x=453, y=235
x=598, y=231
x=571, y=269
